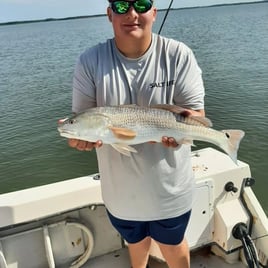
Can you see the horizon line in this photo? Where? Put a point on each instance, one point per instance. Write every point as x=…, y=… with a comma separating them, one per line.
x=102, y=15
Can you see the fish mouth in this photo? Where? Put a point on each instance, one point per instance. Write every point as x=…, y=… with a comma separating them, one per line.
x=67, y=133
x=62, y=121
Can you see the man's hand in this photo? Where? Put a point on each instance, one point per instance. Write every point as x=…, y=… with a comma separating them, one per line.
x=169, y=142
x=84, y=145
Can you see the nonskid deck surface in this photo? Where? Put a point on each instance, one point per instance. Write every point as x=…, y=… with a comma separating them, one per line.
x=120, y=259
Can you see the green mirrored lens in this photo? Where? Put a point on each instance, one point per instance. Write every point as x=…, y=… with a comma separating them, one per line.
x=121, y=7
x=142, y=6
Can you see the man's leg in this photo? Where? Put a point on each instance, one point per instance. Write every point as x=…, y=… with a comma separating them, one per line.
x=176, y=256
x=137, y=237
x=139, y=253
x=169, y=234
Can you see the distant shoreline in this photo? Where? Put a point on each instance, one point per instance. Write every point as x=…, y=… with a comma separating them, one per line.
x=102, y=15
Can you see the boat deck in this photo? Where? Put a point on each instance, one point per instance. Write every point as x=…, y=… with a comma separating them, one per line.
x=120, y=259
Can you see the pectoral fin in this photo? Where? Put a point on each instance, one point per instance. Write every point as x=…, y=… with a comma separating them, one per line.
x=186, y=141
x=123, y=133
x=124, y=149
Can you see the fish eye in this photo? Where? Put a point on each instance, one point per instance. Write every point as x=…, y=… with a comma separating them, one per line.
x=71, y=121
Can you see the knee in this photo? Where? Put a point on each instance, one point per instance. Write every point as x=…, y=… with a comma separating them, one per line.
x=181, y=248
x=176, y=255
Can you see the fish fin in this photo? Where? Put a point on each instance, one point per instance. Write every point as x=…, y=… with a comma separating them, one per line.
x=124, y=149
x=197, y=121
x=234, y=138
x=169, y=107
x=186, y=141
x=123, y=133
x=183, y=115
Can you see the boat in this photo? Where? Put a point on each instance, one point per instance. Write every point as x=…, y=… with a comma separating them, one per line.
x=64, y=224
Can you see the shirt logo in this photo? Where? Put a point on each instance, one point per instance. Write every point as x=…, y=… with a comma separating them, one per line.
x=162, y=84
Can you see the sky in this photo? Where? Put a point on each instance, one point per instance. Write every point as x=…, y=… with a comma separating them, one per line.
x=17, y=10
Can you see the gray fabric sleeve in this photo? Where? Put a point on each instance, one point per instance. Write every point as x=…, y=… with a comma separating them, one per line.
x=190, y=82
x=84, y=90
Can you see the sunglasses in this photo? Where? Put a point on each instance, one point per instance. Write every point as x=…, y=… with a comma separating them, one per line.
x=140, y=6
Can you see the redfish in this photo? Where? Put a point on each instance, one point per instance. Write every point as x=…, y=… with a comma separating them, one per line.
x=123, y=126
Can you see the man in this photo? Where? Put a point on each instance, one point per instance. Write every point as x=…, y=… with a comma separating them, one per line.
x=148, y=195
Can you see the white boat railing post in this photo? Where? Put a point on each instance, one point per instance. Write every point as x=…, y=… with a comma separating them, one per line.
x=3, y=263
x=49, y=251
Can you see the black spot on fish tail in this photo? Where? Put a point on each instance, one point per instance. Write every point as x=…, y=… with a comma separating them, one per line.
x=232, y=145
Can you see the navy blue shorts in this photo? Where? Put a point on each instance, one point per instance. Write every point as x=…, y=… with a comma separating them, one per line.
x=169, y=231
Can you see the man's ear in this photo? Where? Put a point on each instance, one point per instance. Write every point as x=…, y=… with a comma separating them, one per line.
x=109, y=13
x=155, y=13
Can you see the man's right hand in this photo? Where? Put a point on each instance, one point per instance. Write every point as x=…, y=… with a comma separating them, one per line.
x=84, y=145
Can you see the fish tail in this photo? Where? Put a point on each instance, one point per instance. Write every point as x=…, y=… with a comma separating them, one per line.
x=234, y=138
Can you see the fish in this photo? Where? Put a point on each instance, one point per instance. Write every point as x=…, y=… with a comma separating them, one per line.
x=126, y=125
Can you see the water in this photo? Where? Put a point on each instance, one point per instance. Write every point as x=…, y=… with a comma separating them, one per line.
x=37, y=62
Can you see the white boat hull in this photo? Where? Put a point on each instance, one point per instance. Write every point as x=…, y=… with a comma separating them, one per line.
x=65, y=224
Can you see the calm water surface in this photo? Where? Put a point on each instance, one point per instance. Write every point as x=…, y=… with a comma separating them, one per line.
x=37, y=62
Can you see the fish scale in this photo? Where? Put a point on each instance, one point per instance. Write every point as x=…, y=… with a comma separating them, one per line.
x=144, y=116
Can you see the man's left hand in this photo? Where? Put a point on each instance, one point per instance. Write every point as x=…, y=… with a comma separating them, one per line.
x=169, y=142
